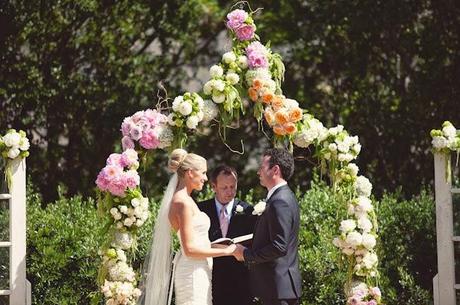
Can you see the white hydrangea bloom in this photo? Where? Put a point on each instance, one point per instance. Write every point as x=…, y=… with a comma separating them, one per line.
x=347, y=225
x=176, y=103
x=354, y=239
x=353, y=169
x=216, y=71
x=365, y=224
x=228, y=57
x=363, y=186
x=439, y=142
x=369, y=241
x=232, y=78
x=192, y=122
x=185, y=108
x=210, y=111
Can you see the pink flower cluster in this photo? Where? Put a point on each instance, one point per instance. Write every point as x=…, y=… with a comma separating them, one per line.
x=361, y=295
x=237, y=22
x=145, y=127
x=114, y=178
x=257, y=55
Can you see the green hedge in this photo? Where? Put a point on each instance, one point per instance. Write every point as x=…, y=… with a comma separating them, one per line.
x=63, y=241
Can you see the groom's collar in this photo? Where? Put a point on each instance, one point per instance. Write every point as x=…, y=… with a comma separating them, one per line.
x=273, y=189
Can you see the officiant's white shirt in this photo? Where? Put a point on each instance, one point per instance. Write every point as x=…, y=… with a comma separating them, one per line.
x=273, y=189
x=228, y=207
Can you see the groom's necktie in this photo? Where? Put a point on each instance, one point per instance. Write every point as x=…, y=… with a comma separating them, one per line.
x=223, y=221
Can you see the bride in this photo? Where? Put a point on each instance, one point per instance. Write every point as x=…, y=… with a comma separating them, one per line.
x=192, y=264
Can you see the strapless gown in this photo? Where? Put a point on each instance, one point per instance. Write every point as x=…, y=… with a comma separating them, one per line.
x=192, y=277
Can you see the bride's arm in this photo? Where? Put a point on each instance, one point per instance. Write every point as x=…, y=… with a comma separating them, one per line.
x=185, y=214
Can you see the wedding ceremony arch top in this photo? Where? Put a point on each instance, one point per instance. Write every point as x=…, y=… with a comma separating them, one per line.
x=248, y=79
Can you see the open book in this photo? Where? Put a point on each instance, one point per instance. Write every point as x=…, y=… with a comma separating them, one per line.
x=235, y=240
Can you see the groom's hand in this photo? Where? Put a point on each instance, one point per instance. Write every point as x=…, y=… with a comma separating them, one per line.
x=238, y=253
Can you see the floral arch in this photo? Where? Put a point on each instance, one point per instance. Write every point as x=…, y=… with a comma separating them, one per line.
x=250, y=70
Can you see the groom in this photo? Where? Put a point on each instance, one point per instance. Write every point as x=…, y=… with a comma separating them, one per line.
x=273, y=259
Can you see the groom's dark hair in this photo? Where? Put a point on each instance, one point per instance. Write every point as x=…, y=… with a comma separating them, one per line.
x=283, y=159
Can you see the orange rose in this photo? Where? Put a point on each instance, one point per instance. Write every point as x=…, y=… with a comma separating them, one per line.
x=277, y=102
x=256, y=84
x=295, y=115
x=281, y=117
x=267, y=98
x=279, y=130
x=253, y=95
x=269, y=116
x=289, y=128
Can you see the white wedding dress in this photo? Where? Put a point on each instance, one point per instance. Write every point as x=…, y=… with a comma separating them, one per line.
x=192, y=277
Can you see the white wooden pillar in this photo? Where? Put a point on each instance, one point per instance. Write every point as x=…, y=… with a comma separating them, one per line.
x=17, y=207
x=445, y=290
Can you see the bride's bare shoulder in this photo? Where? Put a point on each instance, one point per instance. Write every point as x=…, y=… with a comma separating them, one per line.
x=180, y=201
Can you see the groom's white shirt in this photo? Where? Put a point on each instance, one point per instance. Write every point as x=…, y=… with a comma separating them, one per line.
x=273, y=189
x=228, y=207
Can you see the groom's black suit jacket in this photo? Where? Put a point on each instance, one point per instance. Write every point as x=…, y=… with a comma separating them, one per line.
x=230, y=278
x=273, y=259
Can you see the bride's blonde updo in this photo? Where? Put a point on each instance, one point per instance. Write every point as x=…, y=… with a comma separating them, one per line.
x=181, y=161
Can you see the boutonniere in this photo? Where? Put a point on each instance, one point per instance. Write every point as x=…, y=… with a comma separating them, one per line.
x=259, y=208
x=239, y=209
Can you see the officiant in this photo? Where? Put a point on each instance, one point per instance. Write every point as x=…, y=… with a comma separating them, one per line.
x=230, y=217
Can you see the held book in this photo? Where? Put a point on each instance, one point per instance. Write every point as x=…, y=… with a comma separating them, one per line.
x=235, y=240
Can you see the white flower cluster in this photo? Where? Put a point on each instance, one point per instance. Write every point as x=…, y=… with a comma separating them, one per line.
x=120, y=282
x=132, y=215
x=14, y=144
x=122, y=240
x=358, y=233
x=338, y=145
x=360, y=293
x=187, y=110
x=224, y=77
x=311, y=131
x=123, y=293
x=448, y=138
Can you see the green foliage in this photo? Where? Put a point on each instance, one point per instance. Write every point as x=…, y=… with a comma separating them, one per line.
x=63, y=242
x=407, y=247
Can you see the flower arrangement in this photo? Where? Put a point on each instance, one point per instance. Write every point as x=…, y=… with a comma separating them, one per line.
x=149, y=128
x=14, y=144
x=446, y=139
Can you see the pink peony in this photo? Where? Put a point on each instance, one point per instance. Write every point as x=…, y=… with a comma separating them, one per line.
x=245, y=32
x=137, y=116
x=102, y=182
x=257, y=60
x=257, y=55
x=372, y=302
x=236, y=18
x=131, y=178
x=129, y=157
x=155, y=117
x=126, y=126
x=127, y=143
x=135, y=133
x=150, y=139
x=114, y=159
x=117, y=187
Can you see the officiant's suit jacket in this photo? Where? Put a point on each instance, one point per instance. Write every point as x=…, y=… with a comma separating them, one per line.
x=273, y=259
x=230, y=278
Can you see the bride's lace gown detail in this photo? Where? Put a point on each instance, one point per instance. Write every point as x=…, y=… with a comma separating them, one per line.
x=192, y=279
